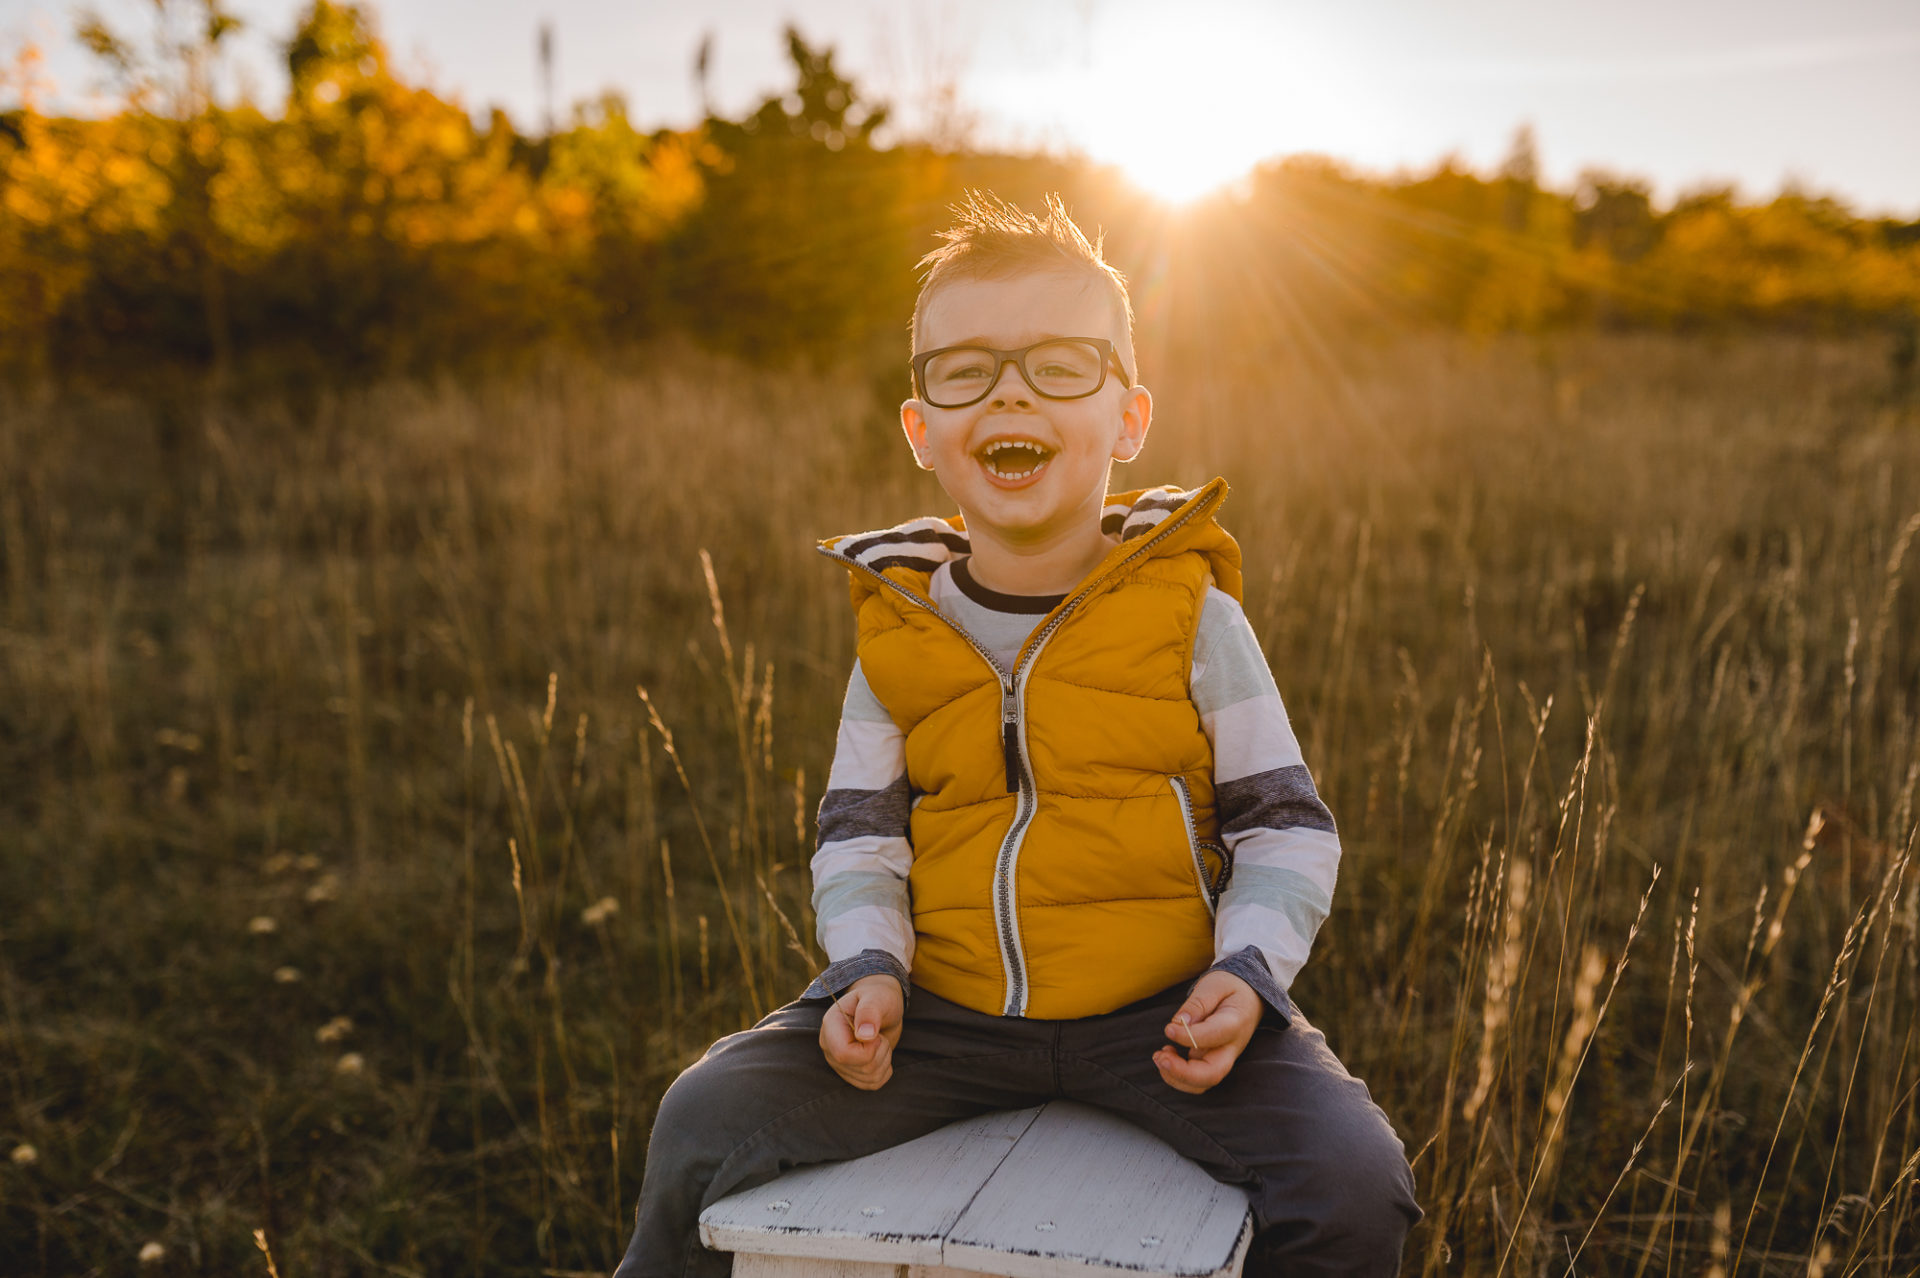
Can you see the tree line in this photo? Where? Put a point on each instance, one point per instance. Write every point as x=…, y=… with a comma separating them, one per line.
x=368, y=225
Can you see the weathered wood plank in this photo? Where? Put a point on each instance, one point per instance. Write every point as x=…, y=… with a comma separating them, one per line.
x=750, y=1266
x=747, y=1265
x=1084, y=1192
x=895, y=1206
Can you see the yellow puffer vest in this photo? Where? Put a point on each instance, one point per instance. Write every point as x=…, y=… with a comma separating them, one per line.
x=1065, y=854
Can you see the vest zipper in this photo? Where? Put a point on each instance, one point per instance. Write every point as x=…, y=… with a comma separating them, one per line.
x=1010, y=737
x=1013, y=738
x=1210, y=888
x=1012, y=960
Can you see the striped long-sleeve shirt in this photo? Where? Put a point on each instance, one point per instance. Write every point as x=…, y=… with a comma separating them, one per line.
x=1284, y=851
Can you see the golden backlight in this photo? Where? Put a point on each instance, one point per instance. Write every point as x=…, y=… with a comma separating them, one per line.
x=1186, y=99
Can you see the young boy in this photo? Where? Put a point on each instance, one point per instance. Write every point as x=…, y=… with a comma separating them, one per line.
x=1069, y=847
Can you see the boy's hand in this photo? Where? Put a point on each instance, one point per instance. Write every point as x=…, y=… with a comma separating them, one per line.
x=1219, y=1016
x=860, y=1030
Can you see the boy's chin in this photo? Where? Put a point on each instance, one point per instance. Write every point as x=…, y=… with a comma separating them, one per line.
x=1033, y=513
x=1027, y=499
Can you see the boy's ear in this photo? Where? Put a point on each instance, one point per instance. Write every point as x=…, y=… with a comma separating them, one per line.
x=913, y=424
x=1136, y=416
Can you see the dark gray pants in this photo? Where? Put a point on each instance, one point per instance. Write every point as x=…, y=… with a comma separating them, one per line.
x=1331, y=1189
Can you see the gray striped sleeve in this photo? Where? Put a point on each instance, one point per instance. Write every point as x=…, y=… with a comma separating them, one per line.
x=853, y=814
x=861, y=898
x=1292, y=895
x=851, y=889
x=861, y=705
x=1286, y=852
x=1228, y=666
x=1277, y=799
x=838, y=977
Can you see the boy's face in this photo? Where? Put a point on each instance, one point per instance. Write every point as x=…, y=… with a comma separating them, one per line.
x=1077, y=439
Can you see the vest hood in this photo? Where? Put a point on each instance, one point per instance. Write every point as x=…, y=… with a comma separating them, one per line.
x=909, y=552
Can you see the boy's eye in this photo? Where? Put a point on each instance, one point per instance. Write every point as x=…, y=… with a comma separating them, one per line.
x=960, y=366
x=1065, y=368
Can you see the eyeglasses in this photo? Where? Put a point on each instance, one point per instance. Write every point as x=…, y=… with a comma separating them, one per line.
x=1058, y=368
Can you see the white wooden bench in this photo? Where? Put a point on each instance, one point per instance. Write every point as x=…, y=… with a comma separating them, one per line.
x=1064, y=1189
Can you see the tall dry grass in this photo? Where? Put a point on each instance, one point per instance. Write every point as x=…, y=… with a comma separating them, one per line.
x=399, y=791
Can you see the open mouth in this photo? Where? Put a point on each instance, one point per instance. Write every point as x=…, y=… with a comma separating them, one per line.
x=1014, y=458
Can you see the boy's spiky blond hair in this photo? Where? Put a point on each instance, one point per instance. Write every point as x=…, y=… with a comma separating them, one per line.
x=992, y=238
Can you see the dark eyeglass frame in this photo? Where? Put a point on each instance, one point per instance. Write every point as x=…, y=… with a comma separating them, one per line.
x=1018, y=358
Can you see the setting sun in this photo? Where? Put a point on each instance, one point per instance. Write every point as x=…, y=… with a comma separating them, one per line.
x=1187, y=102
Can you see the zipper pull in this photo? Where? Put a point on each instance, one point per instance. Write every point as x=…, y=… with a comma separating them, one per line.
x=1010, y=736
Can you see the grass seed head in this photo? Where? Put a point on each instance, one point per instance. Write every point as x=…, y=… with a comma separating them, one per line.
x=1718, y=1246
x=1503, y=968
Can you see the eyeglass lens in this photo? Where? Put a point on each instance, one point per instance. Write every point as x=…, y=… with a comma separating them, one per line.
x=1058, y=370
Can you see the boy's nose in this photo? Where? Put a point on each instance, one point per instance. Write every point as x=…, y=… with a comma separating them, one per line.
x=1010, y=388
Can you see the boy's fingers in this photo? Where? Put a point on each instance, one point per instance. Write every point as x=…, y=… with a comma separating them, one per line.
x=1189, y=1013
x=1200, y=1033
x=872, y=1083
x=870, y=1075
x=867, y=1014
x=856, y=1036
x=864, y=1079
x=1195, y=1074
x=1198, y=1007
x=837, y=1037
x=858, y=1072
x=1183, y=1079
x=1202, y=1001
x=854, y=1052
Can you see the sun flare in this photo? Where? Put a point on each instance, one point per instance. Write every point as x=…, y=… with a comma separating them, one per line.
x=1188, y=100
x=1180, y=169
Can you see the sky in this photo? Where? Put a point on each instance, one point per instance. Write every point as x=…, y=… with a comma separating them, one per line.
x=1187, y=96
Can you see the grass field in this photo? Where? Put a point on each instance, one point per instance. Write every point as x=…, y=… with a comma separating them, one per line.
x=353, y=895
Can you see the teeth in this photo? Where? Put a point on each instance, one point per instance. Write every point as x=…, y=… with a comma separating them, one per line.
x=991, y=454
